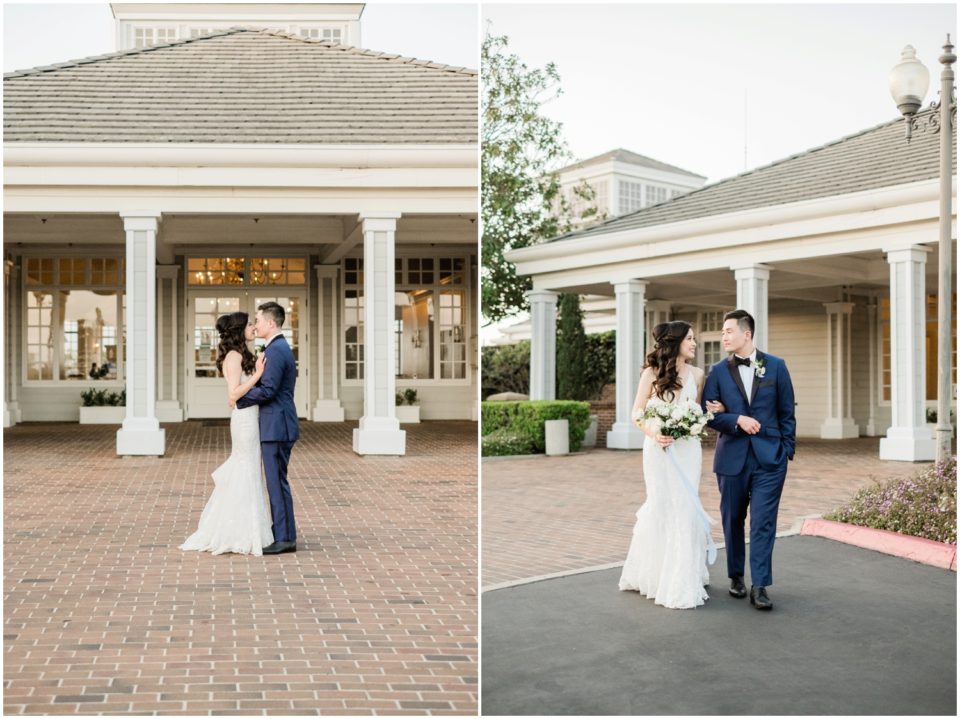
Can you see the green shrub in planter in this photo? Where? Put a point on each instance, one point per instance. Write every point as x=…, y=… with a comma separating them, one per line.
x=527, y=418
x=504, y=443
x=103, y=398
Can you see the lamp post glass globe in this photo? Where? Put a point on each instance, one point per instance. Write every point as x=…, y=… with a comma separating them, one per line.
x=909, y=81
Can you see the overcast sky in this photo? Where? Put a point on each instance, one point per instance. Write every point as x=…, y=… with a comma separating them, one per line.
x=41, y=33
x=668, y=81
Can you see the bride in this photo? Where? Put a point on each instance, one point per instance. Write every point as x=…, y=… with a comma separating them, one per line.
x=667, y=560
x=236, y=518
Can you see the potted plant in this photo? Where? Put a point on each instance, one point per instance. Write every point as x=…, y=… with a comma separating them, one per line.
x=408, y=411
x=101, y=406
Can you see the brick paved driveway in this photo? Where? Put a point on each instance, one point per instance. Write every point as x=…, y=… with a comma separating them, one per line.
x=543, y=515
x=375, y=614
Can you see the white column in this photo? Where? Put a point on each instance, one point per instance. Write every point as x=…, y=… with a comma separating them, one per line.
x=379, y=431
x=838, y=423
x=327, y=407
x=873, y=352
x=141, y=433
x=169, y=349
x=908, y=439
x=12, y=345
x=752, y=283
x=543, y=344
x=630, y=345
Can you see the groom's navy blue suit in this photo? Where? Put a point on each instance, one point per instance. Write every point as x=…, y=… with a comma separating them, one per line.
x=751, y=469
x=279, y=430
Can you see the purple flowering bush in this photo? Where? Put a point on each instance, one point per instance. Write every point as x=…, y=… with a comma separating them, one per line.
x=924, y=505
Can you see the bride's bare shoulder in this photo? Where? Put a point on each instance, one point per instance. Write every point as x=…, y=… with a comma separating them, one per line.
x=233, y=358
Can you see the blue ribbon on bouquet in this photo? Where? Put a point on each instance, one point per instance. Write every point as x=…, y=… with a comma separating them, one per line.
x=705, y=519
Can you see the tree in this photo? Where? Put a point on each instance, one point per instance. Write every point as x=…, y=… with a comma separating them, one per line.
x=521, y=200
x=571, y=349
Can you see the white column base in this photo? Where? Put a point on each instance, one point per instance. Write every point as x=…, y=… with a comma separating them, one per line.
x=625, y=435
x=379, y=435
x=328, y=410
x=908, y=444
x=169, y=410
x=141, y=436
x=839, y=428
x=11, y=414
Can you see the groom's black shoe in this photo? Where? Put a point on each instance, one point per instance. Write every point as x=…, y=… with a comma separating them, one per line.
x=759, y=598
x=737, y=588
x=280, y=548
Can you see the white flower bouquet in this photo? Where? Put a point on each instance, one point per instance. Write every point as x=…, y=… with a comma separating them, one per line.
x=673, y=419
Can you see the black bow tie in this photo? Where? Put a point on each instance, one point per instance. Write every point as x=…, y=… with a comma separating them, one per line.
x=745, y=361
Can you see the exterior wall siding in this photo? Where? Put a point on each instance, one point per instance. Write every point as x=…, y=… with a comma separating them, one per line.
x=798, y=334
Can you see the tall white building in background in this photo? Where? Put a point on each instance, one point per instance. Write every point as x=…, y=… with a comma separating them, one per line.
x=145, y=24
x=625, y=182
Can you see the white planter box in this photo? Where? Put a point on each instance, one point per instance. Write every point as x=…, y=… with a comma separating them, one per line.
x=408, y=414
x=557, y=437
x=102, y=415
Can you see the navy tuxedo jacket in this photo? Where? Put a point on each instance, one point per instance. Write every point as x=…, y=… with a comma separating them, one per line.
x=274, y=394
x=772, y=405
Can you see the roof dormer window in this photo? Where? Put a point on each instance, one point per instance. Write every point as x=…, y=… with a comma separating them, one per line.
x=333, y=34
x=147, y=36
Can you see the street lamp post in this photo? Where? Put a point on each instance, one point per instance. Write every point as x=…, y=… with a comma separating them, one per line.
x=908, y=85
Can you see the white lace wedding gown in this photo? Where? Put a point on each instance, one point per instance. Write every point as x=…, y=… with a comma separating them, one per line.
x=667, y=560
x=237, y=517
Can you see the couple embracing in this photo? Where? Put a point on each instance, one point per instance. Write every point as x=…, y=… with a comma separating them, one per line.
x=263, y=430
x=748, y=398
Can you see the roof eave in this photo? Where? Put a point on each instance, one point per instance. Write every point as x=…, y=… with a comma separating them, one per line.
x=126, y=154
x=532, y=260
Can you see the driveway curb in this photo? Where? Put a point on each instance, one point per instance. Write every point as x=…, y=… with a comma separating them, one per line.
x=924, y=551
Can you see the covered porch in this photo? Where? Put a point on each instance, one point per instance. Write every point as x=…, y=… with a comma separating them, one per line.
x=841, y=286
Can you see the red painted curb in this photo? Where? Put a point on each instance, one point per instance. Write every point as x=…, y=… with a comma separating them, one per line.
x=925, y=551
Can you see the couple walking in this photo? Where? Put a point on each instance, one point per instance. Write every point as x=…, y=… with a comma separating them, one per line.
x=263, y=430
x=751, y=397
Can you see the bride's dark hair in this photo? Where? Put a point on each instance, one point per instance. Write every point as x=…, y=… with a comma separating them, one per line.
x=231, y=328
x=667, y=337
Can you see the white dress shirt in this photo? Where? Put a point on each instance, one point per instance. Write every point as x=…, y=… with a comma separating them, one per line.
x=747, y=374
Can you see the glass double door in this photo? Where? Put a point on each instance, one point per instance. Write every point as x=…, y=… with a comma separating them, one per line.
x=206, y=390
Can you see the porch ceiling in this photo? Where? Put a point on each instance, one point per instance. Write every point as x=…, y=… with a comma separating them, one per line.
x=324, y=233
x=812, y=280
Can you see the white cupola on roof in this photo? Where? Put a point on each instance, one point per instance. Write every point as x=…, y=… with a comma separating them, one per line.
x=145, y=24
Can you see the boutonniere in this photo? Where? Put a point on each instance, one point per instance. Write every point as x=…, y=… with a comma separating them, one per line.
x=259, y=350
x=759, y=369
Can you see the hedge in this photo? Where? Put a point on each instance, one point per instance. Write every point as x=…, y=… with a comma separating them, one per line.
x=525, y=421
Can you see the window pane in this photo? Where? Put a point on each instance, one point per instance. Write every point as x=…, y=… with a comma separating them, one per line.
x=414, y=327
x=89, y=334
x=39, y=335
x=205, y=337
x=353, y=334
x=453, y=335
x=39, y=271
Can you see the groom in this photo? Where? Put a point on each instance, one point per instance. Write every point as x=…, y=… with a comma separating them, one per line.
x=279, y=427
x=757, y=436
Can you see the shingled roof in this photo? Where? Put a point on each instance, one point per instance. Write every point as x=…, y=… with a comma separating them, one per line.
x=630, y=158
x=243, y=85
x=868, y=160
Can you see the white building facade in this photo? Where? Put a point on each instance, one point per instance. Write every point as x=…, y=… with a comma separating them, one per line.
x=140, y=25
x=624, y=182
x=153, y=190
x=830, y=250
